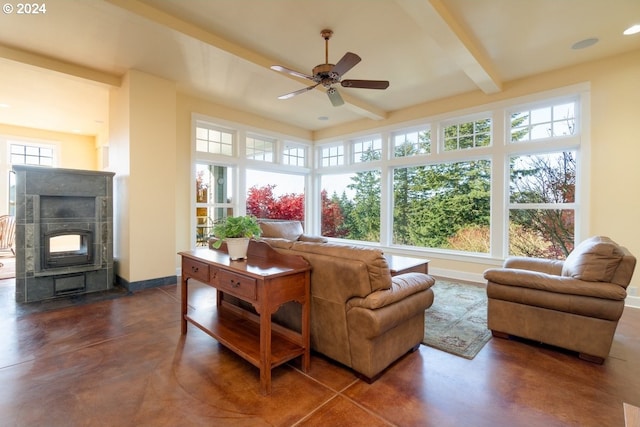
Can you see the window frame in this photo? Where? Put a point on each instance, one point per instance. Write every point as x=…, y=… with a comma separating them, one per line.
x=498, y=153
x=240, y=163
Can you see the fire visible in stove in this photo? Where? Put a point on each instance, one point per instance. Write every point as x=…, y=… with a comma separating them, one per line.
x=68, y=247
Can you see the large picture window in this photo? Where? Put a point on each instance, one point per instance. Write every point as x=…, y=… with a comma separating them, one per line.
x=500, y=181
x=444, y=206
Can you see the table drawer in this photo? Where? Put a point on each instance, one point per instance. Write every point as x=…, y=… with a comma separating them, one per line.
x=197, y=270
x=235, y=284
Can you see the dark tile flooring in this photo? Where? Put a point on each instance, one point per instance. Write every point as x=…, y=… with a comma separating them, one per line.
x=123, y=362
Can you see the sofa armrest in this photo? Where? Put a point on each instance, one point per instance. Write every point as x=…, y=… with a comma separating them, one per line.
x=542, y=265
x=551, y=283
x=402, y=286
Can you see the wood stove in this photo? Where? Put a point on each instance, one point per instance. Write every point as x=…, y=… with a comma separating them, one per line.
x=64, y=229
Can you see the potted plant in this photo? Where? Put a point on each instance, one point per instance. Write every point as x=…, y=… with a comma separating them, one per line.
x=236, y=232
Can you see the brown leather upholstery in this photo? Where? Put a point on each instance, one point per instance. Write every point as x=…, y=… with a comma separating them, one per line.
x=360, y=315
x=288, y=230
x=575, y=304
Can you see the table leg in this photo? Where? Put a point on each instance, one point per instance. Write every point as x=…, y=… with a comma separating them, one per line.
x=183, y=299
x=306, y=328
x=265, y=351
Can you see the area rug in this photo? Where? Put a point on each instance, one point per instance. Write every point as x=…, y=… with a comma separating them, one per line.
x=457, y=320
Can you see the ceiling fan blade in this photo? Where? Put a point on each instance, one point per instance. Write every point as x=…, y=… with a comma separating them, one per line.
x=334, y=97
x=291, y=72
x=347, y=62
x=365, y=84
x=297, y=92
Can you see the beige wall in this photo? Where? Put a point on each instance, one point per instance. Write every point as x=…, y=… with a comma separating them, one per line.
x=142, y=153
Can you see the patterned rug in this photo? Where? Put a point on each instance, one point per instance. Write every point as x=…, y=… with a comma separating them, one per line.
x=457, y=320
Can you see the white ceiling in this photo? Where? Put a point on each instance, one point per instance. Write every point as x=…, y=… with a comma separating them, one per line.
x=221, y=50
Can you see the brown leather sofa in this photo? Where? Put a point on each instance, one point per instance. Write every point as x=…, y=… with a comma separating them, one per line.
x=575, y=304
x=361, y=316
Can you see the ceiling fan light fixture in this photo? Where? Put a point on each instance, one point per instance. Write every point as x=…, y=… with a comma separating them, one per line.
x=329, y=74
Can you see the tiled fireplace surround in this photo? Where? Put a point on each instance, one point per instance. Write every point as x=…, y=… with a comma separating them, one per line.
x=51, y=202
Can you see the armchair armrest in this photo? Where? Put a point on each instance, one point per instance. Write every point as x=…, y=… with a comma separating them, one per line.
x=552, y=283
x=541, y=265
x=402, y=286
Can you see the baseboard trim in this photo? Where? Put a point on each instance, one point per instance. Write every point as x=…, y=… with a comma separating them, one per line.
x=146, y=284
x=457, y=275
x=632, y=302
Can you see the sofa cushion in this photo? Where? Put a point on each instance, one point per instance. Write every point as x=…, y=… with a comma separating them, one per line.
x=594, y=260
x=290, y=230
x=373, y=258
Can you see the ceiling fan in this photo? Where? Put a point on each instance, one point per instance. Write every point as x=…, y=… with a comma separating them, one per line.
x=329, y=74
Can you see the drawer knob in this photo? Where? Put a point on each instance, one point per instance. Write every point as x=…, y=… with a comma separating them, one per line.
x=235, y=284
x=194, y=269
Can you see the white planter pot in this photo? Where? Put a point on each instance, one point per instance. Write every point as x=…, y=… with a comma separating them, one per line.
x=237, y=247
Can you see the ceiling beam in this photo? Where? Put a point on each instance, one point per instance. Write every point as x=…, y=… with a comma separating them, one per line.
x=56, y=65
x=217, y=41
x=448, y=33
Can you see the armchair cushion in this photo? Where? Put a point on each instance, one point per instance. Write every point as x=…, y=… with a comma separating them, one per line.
x=594, y=260
x=511, y=277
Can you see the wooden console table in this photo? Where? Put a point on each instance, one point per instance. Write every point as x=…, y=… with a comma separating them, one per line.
x=266, y=280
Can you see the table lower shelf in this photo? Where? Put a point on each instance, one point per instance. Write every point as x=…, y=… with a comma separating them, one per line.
x=242, y=336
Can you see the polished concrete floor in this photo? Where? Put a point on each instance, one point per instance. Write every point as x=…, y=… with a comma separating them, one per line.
x=123, y=362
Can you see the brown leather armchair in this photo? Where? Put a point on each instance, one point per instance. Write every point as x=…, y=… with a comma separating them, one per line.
x=575, y=304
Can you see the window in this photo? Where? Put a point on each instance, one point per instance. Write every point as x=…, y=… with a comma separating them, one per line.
x=332, y=156
x=213, y=140
x=412, y=143
x=367, y=150
x=214, y=198
x=542, y=195
x=543, y=122
x=260, y=148
x=17, y=152
x=437, y=190
x=465, y=135
x=445, y=206
x=21, y=154
x=275, y=195
x=542, y=185
x=294, y=155
x=350, y=205
x=240, y=171
x=500, y=181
